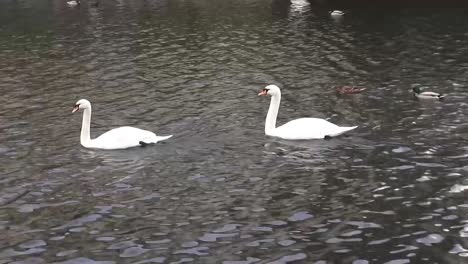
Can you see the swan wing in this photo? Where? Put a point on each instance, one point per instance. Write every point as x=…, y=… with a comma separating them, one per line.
x=309, y=128
x=124, y=137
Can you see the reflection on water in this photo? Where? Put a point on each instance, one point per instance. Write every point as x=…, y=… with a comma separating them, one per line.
x=219, y=191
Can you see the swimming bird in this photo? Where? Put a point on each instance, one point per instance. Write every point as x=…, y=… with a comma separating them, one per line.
x=117, y=138
x=73, y=2
x=350, y=89
x=426, y=95
x=298, y=129
x=336, y=13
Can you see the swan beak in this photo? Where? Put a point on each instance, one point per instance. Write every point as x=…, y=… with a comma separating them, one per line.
x=75, y=108
x=263, y=92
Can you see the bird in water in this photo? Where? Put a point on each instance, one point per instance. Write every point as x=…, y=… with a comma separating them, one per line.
x=73, y=3
x=350, y=89
x=336, y=13
x=297, y=129
x=117, y=138
x=418, y=93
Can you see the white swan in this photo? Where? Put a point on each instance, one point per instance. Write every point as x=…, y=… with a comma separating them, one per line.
x=73, y=2
x=117, y=138
x=336, y=13
x=299, y=129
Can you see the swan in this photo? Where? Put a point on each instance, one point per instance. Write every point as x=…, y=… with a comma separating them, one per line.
x=73, y=2
x=117, y=138
x=426, y=95
x=336, y=13
x=298, y=129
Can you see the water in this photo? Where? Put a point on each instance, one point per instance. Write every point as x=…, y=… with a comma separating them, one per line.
x=219, y=191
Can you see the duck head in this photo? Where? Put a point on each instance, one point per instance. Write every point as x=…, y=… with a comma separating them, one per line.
x=417, y=89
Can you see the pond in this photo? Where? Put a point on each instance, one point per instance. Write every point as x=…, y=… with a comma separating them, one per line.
x=394, y=190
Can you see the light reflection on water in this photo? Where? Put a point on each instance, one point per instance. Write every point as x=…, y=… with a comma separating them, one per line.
x=219, y=191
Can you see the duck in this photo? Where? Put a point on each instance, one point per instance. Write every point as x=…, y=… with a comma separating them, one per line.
x=298, y=129
x=350, y=89
x=426, y=95
x=336, y=13
x=73, y=2
x=117, y=138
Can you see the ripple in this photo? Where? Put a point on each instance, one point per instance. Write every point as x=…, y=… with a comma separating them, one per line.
x=378, y=242
x=300, y=216
x=66, y=253
x=363, y=225
x=31, y=260
x=153, y=260
x=210, y=237
x=105, y=239
x=189, y=244
x=430, y=239
x=398, y=261
x=80, y=221
x=286, y=242
x=457, y=248
x=289, y=258
x=6, y=253
x=404, y=248
x=360, y=261
x=227, y=228
x=122, y=245
x=33, y=244
x=198, y=251
x=458, y=188
x=133, y=252
x=84, y=261
x=249, y=260
x=277, y=223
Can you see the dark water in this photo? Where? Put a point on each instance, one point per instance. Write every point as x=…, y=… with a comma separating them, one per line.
x=219, y=191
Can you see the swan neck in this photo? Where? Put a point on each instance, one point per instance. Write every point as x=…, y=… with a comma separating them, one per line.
x=270, y=122
x=85, y=137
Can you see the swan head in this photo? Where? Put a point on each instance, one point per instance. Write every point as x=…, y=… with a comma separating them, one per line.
x=270, y=90
x=81, y=104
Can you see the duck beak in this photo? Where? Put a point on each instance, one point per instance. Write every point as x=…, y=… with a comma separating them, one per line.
x=75, y=108
x=263, y=92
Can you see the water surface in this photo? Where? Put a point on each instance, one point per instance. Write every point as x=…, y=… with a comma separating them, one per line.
x=219, y=191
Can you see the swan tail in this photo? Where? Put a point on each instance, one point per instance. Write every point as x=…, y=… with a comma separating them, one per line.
x=343, y=130
x=161, y=138
x=153, y=140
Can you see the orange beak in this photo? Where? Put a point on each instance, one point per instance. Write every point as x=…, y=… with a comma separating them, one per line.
x=75, y=108
x=263, y=92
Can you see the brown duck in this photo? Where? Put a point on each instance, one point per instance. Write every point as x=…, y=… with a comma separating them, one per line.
x=350, y=89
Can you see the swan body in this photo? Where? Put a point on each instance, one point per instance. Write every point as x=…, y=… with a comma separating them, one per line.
x=117, y=138
x=298, y=129
x=73, y=2
x=426, y=95
x=336, y=13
